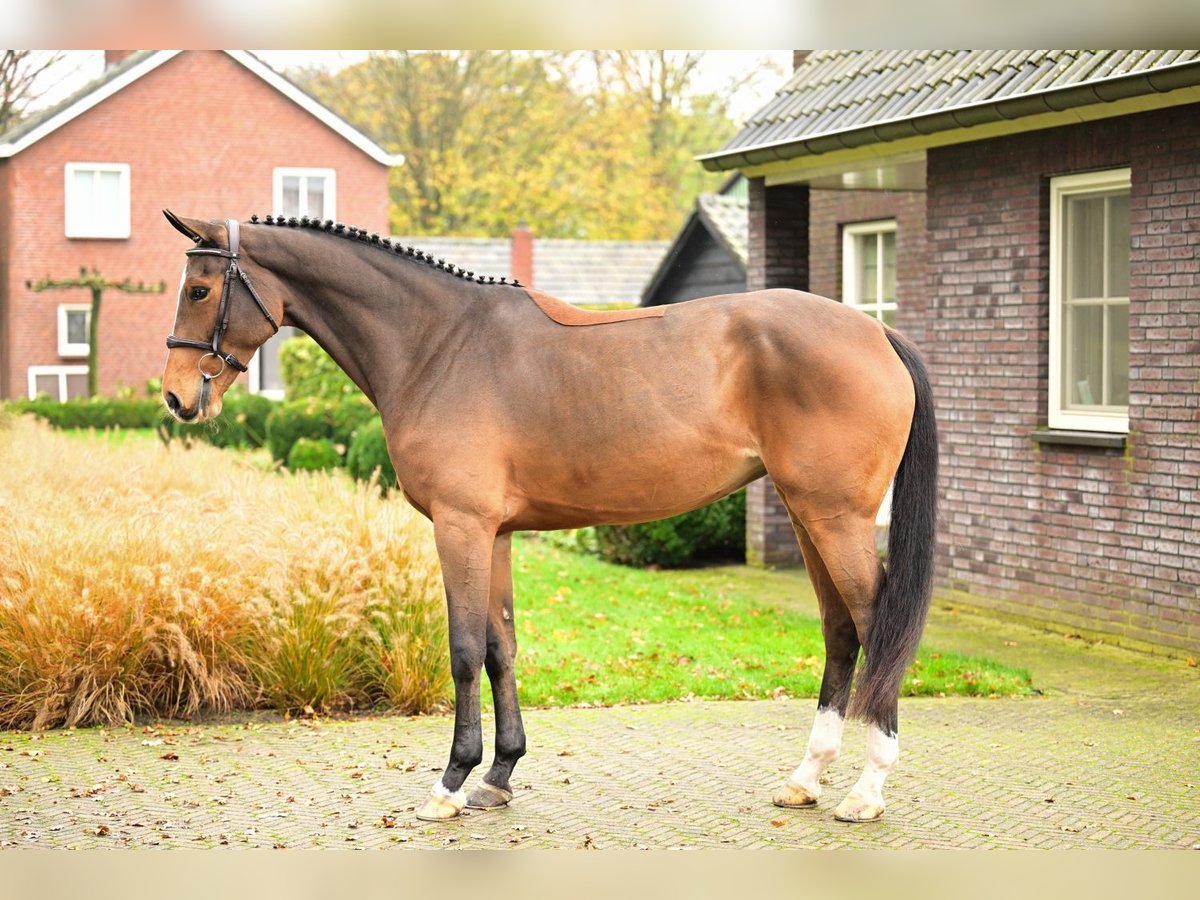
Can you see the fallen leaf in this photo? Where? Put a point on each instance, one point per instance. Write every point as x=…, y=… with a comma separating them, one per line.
x=170, y=755
x=779, y=823
x=101, y=830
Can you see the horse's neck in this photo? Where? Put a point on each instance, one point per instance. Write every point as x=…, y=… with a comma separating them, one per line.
x=382, y=323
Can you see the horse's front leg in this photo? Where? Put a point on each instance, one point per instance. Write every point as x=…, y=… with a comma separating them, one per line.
x=464, y=546
x=495, y=790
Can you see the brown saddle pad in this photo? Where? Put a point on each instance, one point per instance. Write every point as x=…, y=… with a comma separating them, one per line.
x=566, y=314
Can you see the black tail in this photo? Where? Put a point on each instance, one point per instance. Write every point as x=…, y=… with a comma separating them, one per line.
x=903, y=599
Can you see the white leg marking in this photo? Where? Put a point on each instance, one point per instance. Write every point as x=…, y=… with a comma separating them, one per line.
x=458, y=798
x=803, y=787
x=865, y=801
x=824, y=744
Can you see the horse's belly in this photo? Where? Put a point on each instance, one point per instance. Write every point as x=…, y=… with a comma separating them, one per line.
x=616, y=492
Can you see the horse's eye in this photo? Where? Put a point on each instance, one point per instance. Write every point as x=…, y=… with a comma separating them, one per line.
x=198, y=293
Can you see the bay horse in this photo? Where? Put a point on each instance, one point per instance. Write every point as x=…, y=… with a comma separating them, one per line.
x=508, y=410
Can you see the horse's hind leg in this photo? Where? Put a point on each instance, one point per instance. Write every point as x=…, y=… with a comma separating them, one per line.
x=803, y=787
x=495, y=790
x=846, y=545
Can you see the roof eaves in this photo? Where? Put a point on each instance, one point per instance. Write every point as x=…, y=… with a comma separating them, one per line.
x=995, y=110
x=719, y=233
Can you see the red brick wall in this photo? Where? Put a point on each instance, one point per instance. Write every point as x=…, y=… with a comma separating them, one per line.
x=1095, y=539
x=202, y=136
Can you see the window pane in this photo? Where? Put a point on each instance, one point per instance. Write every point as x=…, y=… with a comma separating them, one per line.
x=46, y=384
x=1083, y=367
x=1118, y=354
x=108, y=198
x=83, y=199
x=888, y=239
x=270, y=377
x=1084, y=257
x=888, y=317
x=291, y=195
x=76, y=386
x=316, y=197
x=77, y=326
x=1118, y=245
x=869, y=273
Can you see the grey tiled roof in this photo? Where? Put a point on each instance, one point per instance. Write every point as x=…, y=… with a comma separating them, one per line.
x=844, y=98
x=483, y=256
x=728, y=219
x=578, y=271
x=605, y=272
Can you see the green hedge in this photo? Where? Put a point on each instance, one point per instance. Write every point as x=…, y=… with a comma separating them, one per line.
x=711, y=533
x=309, y=372
x=97, y=412
x=333, y=420
x=368, y=452
x=313, y=455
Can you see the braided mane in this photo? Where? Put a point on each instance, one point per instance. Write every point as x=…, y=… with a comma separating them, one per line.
x=360, y=235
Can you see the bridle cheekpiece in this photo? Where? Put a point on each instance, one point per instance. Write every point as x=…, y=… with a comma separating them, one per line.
x=232, y=274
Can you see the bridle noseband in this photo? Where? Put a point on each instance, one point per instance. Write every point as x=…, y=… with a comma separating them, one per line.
x=213, y=347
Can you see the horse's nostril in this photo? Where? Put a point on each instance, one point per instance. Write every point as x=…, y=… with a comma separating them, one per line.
x=173, y=403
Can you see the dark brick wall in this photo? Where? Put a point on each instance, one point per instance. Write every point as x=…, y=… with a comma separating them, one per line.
x=778, y=257
x=833, y=209
x=1099, y=540
x=786, y=222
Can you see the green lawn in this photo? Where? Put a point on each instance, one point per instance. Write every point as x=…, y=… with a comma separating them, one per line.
x=592, y=632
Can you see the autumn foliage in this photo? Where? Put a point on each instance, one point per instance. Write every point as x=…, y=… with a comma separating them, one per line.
x=594, y=144
x=163, y=581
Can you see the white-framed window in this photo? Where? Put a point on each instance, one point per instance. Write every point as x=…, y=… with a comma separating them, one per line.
x=265, y=375
x=97, y=200
x=305, y=192
x=58, y=382
x=1089, y=302
x=869, y=268
x=73, y=322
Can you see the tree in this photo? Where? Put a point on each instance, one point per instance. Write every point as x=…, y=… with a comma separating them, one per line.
x=21, y=77
x=575, y=144
x=98, y=284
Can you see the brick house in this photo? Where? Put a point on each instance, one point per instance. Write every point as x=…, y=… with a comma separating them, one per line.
x=205, y=133
x=1044, y=252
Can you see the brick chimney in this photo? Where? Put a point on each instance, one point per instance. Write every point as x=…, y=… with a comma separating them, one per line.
x=522, y=255
x=112, y=57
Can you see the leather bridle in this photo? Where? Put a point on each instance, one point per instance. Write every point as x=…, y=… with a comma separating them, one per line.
x=232, y=274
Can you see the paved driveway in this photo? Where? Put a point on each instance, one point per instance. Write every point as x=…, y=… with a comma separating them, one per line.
x=1109, y=757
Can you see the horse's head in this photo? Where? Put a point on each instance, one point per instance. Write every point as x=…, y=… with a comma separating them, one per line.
x=220, y=321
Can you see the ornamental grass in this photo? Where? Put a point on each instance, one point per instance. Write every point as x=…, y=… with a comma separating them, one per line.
x=138, y=579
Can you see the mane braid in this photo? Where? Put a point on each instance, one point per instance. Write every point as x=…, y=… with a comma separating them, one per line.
x=387, y=245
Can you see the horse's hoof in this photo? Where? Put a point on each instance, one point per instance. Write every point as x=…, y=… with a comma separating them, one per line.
x=441, y=805
x=858, y=810
x=488, y=796
x=793, y=796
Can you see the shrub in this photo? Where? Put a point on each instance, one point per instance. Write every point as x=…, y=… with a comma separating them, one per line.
x=368, y=453
x=295, y=419
x=309, y=372
x=313, y=455
x=127, y=596
x=713, y=532
x=96, y=412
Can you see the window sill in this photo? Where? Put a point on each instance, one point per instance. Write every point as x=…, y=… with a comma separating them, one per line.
x=1079, y=438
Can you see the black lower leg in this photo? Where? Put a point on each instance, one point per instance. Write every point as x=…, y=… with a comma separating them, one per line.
x=510, y=730
x=841, y=657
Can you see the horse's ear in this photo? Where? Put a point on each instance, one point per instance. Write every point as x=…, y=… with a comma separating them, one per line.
x=196, y=229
